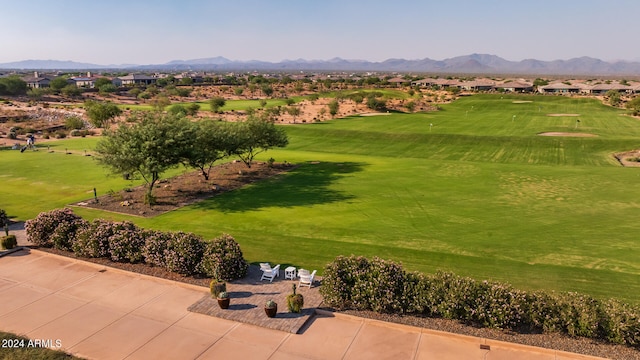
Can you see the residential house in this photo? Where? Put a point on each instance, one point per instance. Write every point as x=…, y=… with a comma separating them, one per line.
x=477, y=85
x=134, y=79
x=561, y=88
x=36, y=81
x=604, y=88
x=515, y=86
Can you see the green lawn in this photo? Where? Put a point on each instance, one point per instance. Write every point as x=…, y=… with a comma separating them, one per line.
x=478, y=193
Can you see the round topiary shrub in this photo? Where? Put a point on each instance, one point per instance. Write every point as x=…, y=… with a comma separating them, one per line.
x=42, y=230
x=184, y=253
x=8, y=242
x=155, y=243
x=126, y=243
x=93, y=240
x=223, y=259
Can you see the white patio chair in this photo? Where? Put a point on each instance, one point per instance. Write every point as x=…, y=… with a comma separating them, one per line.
x=302, y=272
x=307, y=279
x=268, y=272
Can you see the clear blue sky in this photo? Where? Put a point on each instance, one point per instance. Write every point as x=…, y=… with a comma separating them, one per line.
x=158, y=31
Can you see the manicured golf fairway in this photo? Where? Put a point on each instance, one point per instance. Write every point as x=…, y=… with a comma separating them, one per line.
x=471, y=189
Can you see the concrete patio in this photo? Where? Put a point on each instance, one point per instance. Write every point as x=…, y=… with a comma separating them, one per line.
x=100, y=312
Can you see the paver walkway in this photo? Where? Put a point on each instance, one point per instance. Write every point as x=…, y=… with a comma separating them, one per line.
x=249, y=295
x=104, y=313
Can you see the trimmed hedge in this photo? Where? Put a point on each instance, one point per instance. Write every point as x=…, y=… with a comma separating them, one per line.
x=383, y=286
x=55, y=228
x=223, y=259
x=183, y=253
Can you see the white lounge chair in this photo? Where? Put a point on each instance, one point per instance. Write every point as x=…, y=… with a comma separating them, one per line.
x=268, y=272
x=307, y=279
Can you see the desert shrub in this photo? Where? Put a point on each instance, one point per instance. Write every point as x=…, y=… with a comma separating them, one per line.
x=155, y=244
x=126, y=243
x=223, y=259
x=42, y=230
x=8, y=242
x=184, y=253
x=73, y=123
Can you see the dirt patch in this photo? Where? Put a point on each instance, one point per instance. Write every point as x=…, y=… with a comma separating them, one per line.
x=563, y=114
x=521, y=101
x=627, y=158
x=567, y=134
x=185, y=189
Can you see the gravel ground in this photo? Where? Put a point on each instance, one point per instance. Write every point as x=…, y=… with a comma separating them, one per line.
x=554, y=341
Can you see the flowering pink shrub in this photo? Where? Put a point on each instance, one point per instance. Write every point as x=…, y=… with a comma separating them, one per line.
x=55, y=228
x=184, y=253
x=126, y=243
x=93, y=239
x=223, y=259
x=155, y=243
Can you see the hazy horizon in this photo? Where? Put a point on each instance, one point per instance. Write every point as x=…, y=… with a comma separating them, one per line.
x=157, y=32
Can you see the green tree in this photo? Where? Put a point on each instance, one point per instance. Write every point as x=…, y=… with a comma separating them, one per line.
x=12, y=85
x=73, y=123
x=210, y=143
x=160, y=102
x=58, y=83
x=334, y=107
x=254, y=136
x=107, y=88
x=102, y=82
x=634, y=106
x=216, y=103
x=294, y=111
x=71, y=90
x=155, y=143
x=267, y=90
x=238, y=91
x=411, y=105
x=376, y=104
x=614, y=97
x=36, y=93
x=540, y=82
x=100, y=114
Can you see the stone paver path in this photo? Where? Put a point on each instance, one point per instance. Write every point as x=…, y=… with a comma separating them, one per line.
x=249, y=295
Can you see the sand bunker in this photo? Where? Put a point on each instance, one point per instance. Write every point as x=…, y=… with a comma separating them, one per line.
x=563, y=114
x=521, y=102
x=568, y=134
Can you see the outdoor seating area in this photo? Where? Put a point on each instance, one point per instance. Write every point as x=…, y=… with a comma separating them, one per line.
x=262, y=283
x=290, y=273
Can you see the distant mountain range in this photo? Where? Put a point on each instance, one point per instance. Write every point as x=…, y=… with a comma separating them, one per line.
x=468, y=64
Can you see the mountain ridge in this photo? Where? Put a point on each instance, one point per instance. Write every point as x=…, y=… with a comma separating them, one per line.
x=473, y=63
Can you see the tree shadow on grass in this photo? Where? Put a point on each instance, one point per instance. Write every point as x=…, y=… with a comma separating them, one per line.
x=308, y=184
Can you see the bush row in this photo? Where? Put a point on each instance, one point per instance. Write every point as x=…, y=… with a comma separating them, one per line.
x=183, y=253
x=383, y=286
